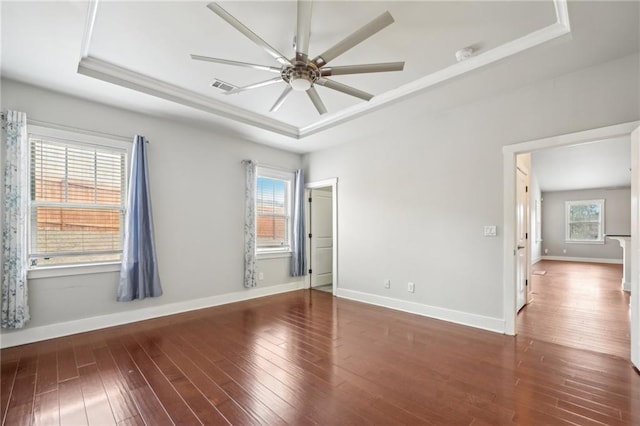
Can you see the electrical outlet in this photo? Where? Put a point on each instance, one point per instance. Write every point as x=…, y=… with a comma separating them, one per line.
x=564, y=251
x=411, y=288
x=260, y=276
x=387, y=284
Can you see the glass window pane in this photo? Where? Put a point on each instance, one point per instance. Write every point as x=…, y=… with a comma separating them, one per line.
x=584, y=213
x=76, y=230
x=272, y=210
x=584, y=231
x=65, y=173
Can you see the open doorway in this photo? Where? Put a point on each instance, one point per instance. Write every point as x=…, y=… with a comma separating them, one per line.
x=577, y=271
x=510, y=218
x=322, y=226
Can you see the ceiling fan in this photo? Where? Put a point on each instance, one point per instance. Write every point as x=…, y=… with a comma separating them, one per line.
x=302, y=73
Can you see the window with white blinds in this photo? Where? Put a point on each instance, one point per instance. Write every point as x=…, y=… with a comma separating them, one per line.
x=273, y=210
x=76, y=202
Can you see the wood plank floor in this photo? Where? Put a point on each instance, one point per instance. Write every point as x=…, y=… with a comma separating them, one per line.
x=580, y=305
x=306, y=358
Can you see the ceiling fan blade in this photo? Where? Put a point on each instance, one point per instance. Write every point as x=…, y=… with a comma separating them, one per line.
x=331, y=84
x=231, y=20
x=364, y=68
x=255, y=85
x=281, y=99
x=236, y=63
x=303, y=30
x=356, y=37
x=317, y=102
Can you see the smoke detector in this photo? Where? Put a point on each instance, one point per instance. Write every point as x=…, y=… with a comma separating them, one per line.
x=464, y=54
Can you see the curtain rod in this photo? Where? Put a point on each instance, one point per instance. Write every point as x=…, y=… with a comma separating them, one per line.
x=282, y=169
x=35, y=122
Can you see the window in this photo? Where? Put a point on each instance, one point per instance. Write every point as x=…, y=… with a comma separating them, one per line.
x=585, y=221
x=273, y=210
x=77, y=195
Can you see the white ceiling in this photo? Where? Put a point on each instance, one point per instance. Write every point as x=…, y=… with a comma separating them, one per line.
x=601, y=164
x=146, y=46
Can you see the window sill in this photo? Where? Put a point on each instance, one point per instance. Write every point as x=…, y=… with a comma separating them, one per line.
x=273, y=254
x=68, y=270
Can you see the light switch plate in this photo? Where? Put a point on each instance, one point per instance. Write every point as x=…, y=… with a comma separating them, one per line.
x=490, y=230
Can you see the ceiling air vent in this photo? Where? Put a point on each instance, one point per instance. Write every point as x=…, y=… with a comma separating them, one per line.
x=226, y=87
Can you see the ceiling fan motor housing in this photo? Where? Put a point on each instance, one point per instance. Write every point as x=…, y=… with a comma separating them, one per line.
x=300, y=76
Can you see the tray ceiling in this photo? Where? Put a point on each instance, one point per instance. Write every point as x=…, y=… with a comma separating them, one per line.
x=146, y=46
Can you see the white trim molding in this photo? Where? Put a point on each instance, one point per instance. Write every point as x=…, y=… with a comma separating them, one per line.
x=458, y=317
x=108, y=71
x=583, y=259
x=36, y=334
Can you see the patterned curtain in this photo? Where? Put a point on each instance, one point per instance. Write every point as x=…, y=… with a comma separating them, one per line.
x=298, y=257
x=250, y=224
x=15, y=311
x=139, y=276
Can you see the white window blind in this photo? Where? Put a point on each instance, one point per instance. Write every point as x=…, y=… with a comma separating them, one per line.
x=273, y=211
x=77, y=202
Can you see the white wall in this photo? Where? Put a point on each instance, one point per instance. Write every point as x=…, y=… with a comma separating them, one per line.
x=412, y=200
x=197, y=185
x=617, y=221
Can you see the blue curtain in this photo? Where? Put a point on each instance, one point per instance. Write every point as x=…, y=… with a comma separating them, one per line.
x=298, y=256
x=15, y=310
x=139, y=276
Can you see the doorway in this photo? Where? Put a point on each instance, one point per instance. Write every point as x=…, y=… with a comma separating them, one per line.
x=522, y=230
x=510, y=268
x=322, y=236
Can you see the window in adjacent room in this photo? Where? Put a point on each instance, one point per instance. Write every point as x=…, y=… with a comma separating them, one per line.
x=585, y=221
x=77, y=198
x=273, y=210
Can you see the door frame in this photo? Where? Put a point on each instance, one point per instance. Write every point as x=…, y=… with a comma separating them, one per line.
x=509, y=212
x=333, y=183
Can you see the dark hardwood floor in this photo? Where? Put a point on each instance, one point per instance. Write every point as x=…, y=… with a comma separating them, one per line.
x=307, y=358
x=580, y=305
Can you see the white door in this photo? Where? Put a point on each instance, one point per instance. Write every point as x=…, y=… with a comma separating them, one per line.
x=321, y=231
x=521, y=238
x=635, y=244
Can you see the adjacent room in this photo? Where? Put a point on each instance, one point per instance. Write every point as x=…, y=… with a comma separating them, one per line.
x=578, y=280
x=320, y=212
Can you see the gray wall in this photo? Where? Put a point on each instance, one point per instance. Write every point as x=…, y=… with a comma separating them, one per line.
x=617, y=221
x=412, y=200
x=197, y=184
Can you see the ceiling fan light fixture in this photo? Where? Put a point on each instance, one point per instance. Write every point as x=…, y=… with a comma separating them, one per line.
x=300, y=73
x=300, y=77
x=300, y=83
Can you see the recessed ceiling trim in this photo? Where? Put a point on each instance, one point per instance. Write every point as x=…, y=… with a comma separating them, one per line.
x=503, y=51
x=109, y=72
x=106, y=71
x=92, y=11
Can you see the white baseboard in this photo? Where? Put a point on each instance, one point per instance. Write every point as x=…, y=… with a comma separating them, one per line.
x=464, y=318
x=35, y=334
x=536, y=260
x=583, y=259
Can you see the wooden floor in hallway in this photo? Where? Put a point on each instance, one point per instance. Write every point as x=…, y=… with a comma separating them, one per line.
x=307, y=358
x=580, y=305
